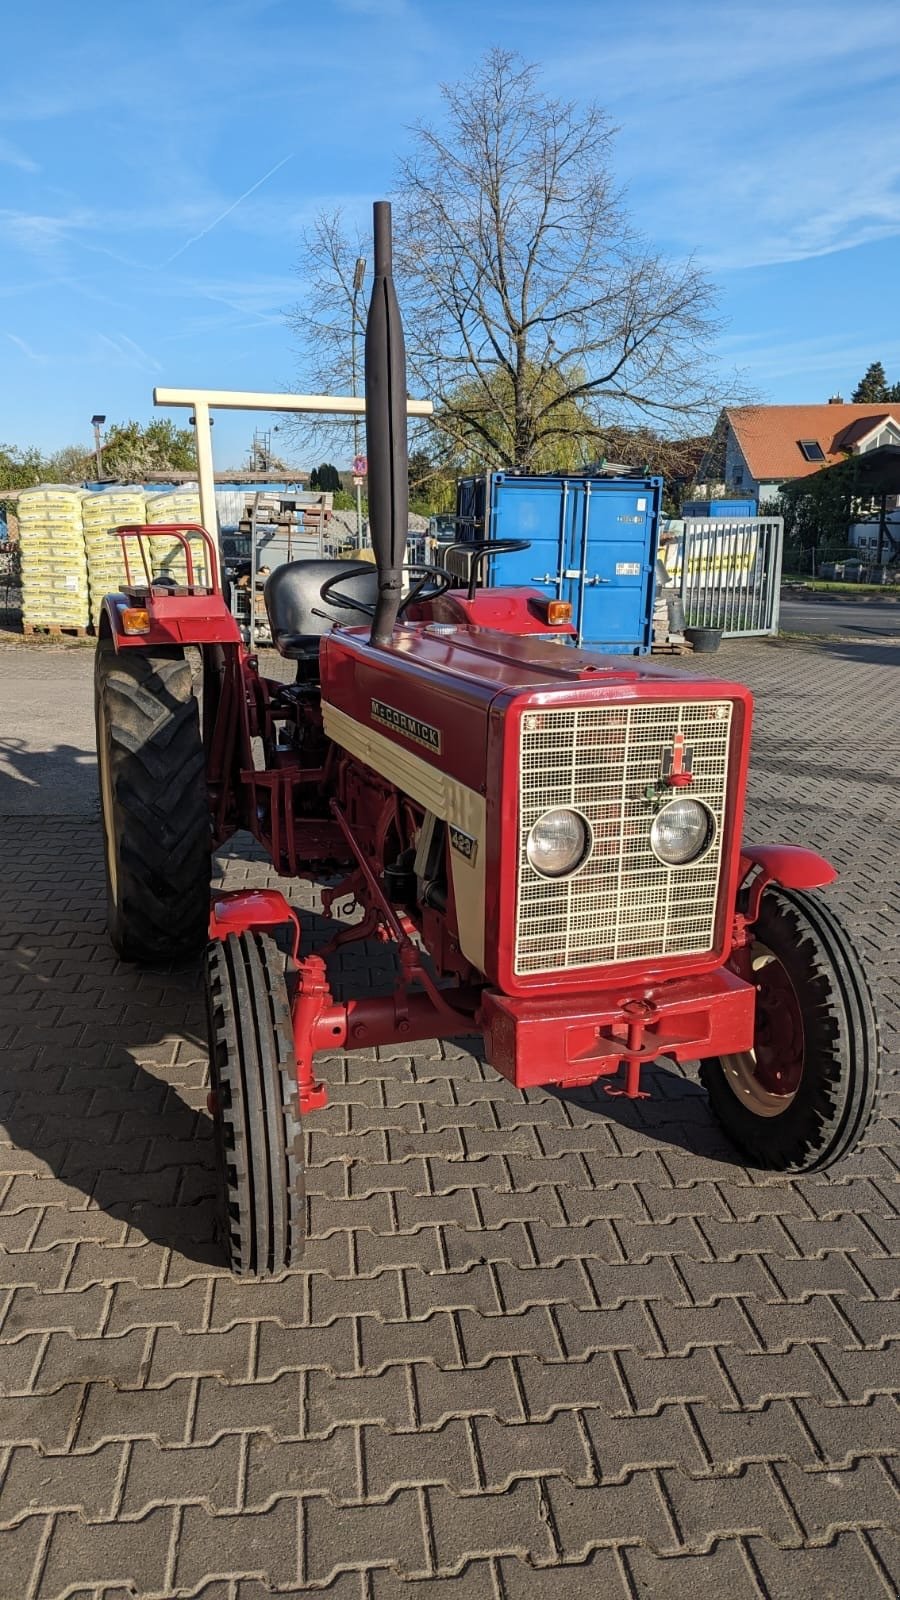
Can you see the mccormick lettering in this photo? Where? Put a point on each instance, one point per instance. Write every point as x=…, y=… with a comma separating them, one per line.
x=409, y=727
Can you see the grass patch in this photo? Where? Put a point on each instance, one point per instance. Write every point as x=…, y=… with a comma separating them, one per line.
x=824, y=586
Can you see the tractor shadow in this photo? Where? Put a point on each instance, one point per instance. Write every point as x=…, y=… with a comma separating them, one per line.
x=57, y=781
x=105, y=1070
x=104, y=1078
x=674, y=1116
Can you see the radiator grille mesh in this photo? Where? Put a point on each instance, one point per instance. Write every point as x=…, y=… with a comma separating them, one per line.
x=624, y=904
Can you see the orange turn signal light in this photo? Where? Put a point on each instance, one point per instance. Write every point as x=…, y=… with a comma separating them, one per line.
x=558, y=611
x=135, y=619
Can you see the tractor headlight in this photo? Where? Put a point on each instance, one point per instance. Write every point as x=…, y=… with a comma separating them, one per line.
x=558, y=843
x=682, y=831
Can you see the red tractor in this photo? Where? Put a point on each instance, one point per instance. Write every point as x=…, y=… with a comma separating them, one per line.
x=550, y=839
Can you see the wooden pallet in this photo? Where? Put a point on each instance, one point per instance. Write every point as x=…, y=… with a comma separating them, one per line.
x=53, y=630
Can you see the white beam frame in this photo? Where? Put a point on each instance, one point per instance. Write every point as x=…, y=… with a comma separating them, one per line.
x=204, y=401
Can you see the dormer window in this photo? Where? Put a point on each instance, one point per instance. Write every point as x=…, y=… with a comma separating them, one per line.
x=812, y=450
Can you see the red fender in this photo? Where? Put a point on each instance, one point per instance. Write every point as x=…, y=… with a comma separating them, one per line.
x=791, y=865
x=239, y=910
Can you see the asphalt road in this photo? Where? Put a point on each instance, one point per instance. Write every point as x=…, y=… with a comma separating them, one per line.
x=822, y=616
x=48, y=765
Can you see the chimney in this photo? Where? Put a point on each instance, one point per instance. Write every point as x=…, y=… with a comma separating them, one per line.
x=835, y=399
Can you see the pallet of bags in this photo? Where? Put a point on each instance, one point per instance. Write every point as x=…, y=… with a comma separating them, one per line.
x=54, y=566
x=176, y=505
x=103, y=511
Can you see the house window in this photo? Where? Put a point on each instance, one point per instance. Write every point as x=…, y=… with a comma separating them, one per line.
x=812, y=450
x=737, y=476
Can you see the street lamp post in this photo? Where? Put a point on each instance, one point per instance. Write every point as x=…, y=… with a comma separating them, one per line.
x=358, y=277
x=97, y=422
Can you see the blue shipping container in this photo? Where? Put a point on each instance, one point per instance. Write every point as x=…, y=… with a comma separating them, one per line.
x=592, y=542
x=719, y=508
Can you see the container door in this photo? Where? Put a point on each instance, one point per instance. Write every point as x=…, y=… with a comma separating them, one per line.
x=614, y=608
x=541, y=512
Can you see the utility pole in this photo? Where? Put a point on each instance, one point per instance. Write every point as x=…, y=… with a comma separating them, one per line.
x=358, y=277
x=97, y=422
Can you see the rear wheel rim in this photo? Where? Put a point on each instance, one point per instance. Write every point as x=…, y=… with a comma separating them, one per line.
x=767, y=1078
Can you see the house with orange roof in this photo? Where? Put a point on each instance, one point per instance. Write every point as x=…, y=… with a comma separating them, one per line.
x=758, y=448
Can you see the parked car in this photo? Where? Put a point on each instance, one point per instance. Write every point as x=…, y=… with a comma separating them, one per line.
x=442, y=528
x=851, y=570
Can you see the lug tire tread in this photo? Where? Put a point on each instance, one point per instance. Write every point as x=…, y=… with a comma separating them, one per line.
x=258, y=1127
x=836, y=1097
x=147, y=720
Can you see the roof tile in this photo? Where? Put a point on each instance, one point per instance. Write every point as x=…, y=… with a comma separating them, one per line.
x=769, y=436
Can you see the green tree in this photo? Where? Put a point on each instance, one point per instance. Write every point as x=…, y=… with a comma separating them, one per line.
x=131, y=450
x=432, y=483
x=819, y=509
x=326, y=479
x=72, y=464
x=872, y=388
x=19, y=469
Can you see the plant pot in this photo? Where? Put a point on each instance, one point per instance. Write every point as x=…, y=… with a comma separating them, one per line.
x=704, y=640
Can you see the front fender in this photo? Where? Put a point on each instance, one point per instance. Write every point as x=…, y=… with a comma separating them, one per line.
x=790, y=865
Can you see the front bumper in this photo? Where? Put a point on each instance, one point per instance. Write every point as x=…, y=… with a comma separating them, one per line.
x=575, y=1039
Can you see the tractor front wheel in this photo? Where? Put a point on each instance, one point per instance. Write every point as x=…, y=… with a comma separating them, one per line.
x=254, y=1103
x=154, y=803
x=801, y=1098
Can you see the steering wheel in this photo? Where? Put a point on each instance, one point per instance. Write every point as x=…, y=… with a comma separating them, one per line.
x=430, y=585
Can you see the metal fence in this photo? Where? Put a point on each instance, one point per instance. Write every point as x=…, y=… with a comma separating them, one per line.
x=728, y=572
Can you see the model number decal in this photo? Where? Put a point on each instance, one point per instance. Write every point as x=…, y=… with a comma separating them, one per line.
x=410, y=727
x=463, y=843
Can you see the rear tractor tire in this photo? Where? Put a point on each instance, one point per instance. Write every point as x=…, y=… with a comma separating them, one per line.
x=255, y=1106
x=802, y=1097
x=154, y=805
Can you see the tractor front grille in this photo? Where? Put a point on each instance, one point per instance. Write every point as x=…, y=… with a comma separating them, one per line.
x=624, y=904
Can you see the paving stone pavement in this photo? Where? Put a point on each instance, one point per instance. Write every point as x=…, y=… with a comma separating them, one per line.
x=545, y=1346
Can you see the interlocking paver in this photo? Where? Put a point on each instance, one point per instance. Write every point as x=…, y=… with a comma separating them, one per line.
x=557, y=1448
x=513, y=1523
x=843, y=1566
x=22, y=1548
x=35, y=1483
x=546, y=1345
x=393, y=1535
x=133, y=1554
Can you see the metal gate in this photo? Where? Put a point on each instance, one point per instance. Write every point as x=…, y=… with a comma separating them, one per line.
x=728, y=571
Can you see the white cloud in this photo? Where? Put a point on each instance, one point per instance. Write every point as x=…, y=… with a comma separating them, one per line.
x=25, y=347
x=12, y=156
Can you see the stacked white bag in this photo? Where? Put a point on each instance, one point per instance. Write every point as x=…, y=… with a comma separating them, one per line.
x=177, y=505
x=103, y=511
x=54, y=566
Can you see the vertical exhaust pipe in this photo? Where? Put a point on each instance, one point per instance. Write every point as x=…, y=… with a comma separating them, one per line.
x=386, y=432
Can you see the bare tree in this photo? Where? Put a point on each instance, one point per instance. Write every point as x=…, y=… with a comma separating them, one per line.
x=330, y=323
x=532, y=310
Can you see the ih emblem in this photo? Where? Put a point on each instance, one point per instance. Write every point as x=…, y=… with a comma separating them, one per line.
x=677, y=765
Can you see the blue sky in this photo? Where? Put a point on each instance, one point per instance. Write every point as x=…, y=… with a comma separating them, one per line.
x=158, y=161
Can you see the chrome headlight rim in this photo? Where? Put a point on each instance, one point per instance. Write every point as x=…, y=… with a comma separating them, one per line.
x=708, y=838
x=586, y=847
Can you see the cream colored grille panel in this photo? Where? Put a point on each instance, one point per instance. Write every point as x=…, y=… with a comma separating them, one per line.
x=624, y=905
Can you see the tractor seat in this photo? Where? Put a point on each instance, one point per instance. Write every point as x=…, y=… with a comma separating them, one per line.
x=293, y=596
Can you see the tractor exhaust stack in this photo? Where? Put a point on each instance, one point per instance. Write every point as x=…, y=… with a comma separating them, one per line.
x=386, y=431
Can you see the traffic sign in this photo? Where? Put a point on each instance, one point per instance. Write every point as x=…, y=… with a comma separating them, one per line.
x=360, y=466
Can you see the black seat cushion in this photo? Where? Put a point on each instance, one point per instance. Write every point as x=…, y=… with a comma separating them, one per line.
x=293, y=596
